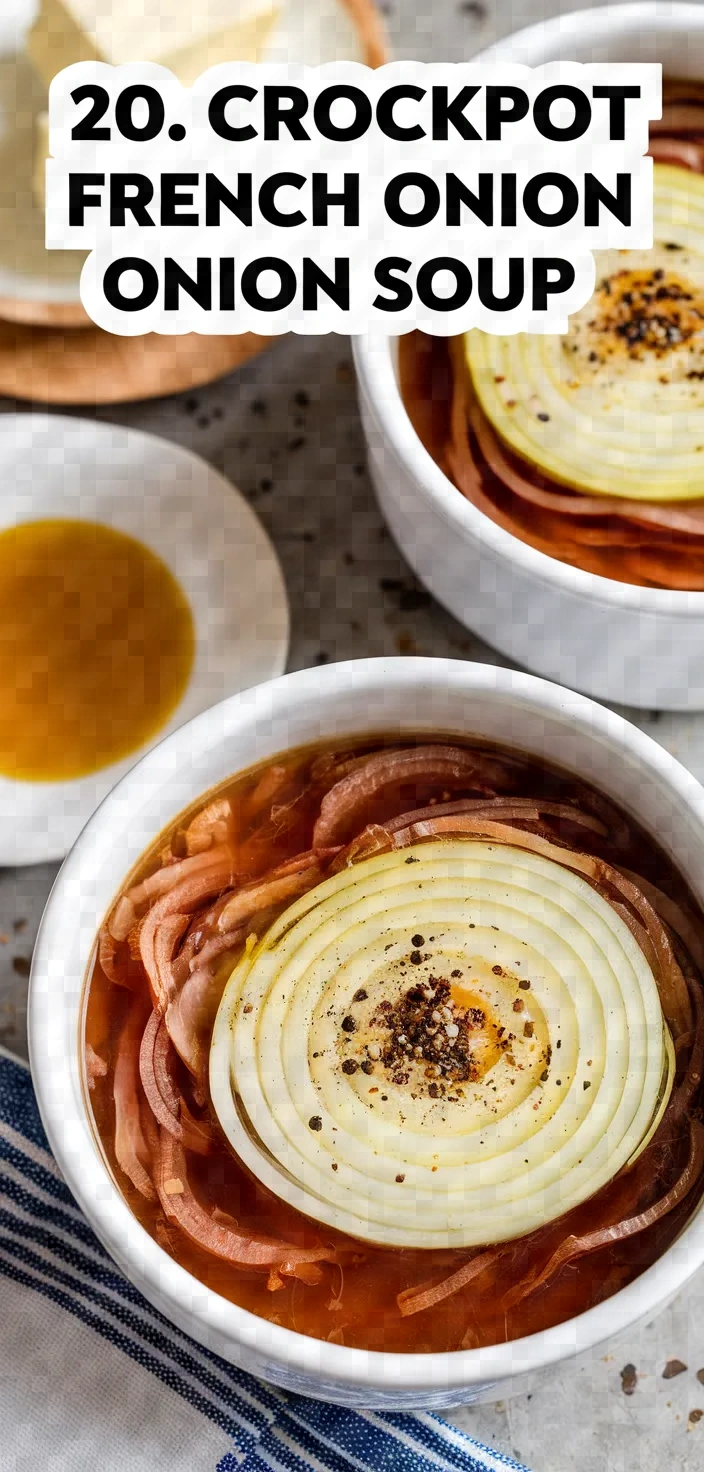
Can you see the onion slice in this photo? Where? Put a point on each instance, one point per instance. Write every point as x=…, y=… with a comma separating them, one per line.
x=688, y=521
x=679, y=919
x=688, y=152
x=427, y=1295
x=293, y=878
x=453, y=766
x=131, y=1148
x=234, y=1244
x=567, y=1059
x=107, y=954
x=606, y=409
x=673, y=989
x=160, y=1091
x=378, y=838
x=573, y=1247
x=156, y=946
x=211, y=826
x=162, y=882
x=189, y=1017
x=167, y=1105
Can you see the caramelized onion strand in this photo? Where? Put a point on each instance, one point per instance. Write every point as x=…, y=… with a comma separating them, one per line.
x=237, y=1245
x=131, y=1147
x=416, y=1300
x=574, y=1247
x=449, y=766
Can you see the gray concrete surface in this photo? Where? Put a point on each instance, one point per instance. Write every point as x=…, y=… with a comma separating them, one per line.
x=286, y=431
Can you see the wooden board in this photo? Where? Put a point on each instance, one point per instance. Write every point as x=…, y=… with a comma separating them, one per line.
x=43, y=314
x=88, y=366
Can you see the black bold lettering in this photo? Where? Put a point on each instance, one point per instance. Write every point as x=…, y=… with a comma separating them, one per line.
x=177, y=280
x=385, y=113
x=617, y=98
x=508, y=199
x=348, y=198
x=497, y=114
x=337, y=287
x=580, y=122
x=78, y=200
x=545, y=287
x=250, y=284
x=124, y=107
x=446, y=113
x=216, y=114
x=392, y=199
x=480, y=204
x=136, y=203
x=402, y=292
x=86, y=130
x=566, y=211
x=618, y=204
x=322, y=110
x=172, y=199
x=284, y=107
x=425, y=284
x=112, y=287
x=217, y=194
x=227, y=284
x=485, y=285
x=267, y=200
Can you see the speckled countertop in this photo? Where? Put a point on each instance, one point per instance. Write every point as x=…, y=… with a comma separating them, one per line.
x=286, y=430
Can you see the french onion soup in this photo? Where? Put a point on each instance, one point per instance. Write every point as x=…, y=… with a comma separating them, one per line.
x=399, y=1044
x=590, y=446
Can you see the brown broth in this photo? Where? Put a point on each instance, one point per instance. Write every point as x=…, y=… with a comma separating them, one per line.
x=96, y=652
x=355, y=1304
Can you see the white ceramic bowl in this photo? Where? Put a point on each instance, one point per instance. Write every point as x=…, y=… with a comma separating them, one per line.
x=639, y=646
x=337, y=700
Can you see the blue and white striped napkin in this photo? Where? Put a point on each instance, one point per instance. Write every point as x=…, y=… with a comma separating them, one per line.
x=91, y=1376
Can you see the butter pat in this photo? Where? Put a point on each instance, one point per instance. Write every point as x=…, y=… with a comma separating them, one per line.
x=185, y=37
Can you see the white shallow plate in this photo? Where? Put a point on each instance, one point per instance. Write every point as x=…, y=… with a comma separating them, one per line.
x=200, y=526
x=314, y=31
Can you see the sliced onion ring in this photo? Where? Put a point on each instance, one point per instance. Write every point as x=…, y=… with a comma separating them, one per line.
x=574, y=1247
x=519, y=1146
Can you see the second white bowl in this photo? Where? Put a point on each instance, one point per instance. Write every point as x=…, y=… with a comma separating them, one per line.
x=638, y=646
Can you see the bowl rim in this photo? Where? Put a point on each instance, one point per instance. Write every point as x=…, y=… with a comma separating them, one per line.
x=667, y=15
x=373, y=357
x=373, y=361
x=57, y=1071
